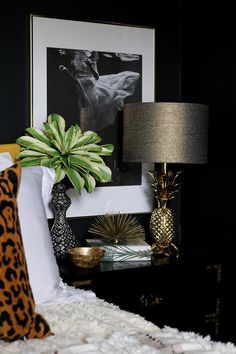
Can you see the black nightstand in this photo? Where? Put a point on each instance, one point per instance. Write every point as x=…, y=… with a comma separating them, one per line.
x=183, y=292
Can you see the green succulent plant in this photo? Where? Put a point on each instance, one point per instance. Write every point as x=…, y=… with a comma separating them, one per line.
x=69, y=152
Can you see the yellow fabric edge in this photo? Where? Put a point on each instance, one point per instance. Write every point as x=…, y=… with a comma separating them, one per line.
x=13, y=149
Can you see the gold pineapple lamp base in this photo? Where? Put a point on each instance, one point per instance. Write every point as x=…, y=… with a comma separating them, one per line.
x=162, y=222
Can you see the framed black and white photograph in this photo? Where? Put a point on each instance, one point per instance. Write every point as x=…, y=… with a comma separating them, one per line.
x=86, y=72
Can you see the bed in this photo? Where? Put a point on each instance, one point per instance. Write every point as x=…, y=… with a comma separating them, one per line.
x=41, y=314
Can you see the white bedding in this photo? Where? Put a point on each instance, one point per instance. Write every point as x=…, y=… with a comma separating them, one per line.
x=95, y=326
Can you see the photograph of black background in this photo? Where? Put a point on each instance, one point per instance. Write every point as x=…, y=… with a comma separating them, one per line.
x=89, y=88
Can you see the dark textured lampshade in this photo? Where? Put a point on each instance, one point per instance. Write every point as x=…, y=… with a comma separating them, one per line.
x=165, y=132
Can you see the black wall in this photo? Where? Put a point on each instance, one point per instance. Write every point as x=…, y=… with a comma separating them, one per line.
x=209, y=76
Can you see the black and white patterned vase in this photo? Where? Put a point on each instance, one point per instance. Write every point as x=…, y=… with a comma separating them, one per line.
x=61, y=233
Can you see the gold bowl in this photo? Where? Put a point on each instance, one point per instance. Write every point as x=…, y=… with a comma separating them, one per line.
x=86, y=257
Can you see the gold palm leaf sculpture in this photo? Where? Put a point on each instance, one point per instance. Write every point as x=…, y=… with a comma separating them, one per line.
x=117, y=229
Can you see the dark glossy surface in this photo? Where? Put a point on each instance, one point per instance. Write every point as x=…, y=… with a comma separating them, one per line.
x=186, y=292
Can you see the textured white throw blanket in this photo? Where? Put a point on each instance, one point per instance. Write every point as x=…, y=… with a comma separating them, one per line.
x=93, y=327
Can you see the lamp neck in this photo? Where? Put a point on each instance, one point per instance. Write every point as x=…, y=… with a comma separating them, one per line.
x=164, y=167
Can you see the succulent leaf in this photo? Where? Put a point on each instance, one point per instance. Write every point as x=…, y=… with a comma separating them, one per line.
x=69, y=139
x=107, y=150
x=38, y=134
x=80, y=161
x=30, y=153
x=31, y=161
x=60, y=173
x=104, y=173
x=89, y=182
x=75, y=178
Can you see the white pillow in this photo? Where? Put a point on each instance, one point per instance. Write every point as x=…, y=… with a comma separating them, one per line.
x=42, y=267
x=5, y=160
x=46, y=283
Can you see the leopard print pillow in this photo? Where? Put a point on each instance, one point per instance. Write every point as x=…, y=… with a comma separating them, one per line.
x=18, y=318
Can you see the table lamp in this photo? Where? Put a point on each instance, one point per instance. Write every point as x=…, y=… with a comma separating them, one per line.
x=165, y=132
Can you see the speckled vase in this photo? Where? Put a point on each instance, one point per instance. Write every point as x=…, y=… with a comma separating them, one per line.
x=61, y=233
